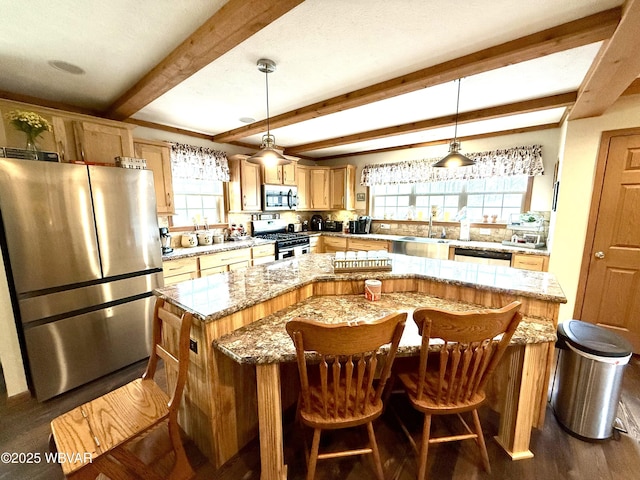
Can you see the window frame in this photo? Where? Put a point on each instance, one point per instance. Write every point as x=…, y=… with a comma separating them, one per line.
x=222, y=223
x=526, y=203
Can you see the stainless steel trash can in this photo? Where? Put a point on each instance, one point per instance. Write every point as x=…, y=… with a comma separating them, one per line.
x=586, y=388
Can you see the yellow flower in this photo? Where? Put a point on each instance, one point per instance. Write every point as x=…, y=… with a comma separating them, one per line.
x=28, y=122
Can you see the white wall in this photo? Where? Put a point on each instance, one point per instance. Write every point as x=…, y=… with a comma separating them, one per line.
x=576, y=174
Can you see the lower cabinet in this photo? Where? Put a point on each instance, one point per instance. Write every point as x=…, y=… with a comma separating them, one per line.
x=355, y=244
x=538, y=263
x=228, y=260
x=182, y=269
x=263, y=254
x=334, y=244
x=179, y=270
x=343, y=244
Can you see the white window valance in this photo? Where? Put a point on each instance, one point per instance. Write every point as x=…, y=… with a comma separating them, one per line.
x=200, y=163
x=525, y=160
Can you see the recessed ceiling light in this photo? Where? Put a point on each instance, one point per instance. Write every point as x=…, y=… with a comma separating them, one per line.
x=247, y=119
x=66, y=67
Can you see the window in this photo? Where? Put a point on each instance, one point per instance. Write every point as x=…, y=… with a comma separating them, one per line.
x=197, y=201
x=499, y=196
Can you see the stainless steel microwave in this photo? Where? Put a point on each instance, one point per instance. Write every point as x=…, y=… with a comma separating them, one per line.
x=279, y=197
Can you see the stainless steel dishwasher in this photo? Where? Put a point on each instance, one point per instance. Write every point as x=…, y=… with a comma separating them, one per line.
x=485, y=257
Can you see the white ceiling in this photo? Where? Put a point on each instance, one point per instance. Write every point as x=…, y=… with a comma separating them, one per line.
x=323, y=49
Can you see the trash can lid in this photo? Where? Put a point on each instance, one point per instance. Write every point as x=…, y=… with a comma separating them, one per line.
x=593, y=339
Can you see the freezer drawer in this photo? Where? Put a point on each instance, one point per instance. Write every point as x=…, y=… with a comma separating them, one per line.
x=71, y=352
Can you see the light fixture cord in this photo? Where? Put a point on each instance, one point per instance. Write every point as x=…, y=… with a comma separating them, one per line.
x=266, y=81
x=455, y=131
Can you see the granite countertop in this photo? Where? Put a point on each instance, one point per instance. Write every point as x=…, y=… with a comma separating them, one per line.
x=471, y=245
x=266, y=340
x=216, y=296
x=215, y=248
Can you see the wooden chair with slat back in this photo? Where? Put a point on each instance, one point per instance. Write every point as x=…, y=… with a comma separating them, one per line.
x=452, y=380
x=337, y=383
x=130, y=432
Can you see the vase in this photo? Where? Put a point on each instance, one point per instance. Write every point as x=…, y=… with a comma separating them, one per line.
x=31, y=145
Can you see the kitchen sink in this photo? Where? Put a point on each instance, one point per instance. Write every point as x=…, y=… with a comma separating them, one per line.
x=424, y=240
x=421, y=247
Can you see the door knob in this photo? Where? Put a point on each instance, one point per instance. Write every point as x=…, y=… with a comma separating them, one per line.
x=599, y=254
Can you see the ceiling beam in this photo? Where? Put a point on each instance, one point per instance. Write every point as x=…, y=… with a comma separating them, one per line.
x=236, y=21
x=570, y=35
x=545, y=103
x=614, y=69
x=498, y=133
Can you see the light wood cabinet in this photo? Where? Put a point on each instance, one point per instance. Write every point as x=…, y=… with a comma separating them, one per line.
x=334, y=244
x=158, y=158
x=179, y=270
x=343, y=188
x=303, y=174
x=538, y=263
x=261, y=254
x=101, y=143
x=315, y=244
x=75, y=137
x=244, y=185
x=280, y=174
x=361, y=244
x=320, y=179
x=241, y=256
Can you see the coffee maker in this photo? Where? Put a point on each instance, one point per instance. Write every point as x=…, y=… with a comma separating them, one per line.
x=362, y=225
x=165, y=240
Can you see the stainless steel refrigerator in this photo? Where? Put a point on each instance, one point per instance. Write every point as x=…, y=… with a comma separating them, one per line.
x=82, y=253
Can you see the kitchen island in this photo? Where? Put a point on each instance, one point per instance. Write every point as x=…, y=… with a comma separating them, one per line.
x=236, y=384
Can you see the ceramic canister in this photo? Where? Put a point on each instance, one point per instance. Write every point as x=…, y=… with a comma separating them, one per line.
x=189, y=240
x=372, y=290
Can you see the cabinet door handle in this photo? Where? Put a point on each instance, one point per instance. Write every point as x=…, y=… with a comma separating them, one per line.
x=168, y=199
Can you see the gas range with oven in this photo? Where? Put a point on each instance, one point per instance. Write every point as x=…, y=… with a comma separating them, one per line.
x=287, y=244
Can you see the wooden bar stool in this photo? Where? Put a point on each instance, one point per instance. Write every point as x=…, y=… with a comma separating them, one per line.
x=129, y=432
x=452, y=380
x=337, y=379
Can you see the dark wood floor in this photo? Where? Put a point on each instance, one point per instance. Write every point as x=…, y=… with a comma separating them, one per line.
x=24, y=427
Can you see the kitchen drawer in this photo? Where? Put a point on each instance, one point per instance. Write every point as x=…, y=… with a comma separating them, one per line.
x=529, y=262
x=182, y=277
x=263, y=260
x=367, y=245
x=239, y=265
x=263, y=251
x=334, y=244
x=213, y=271
x=224, y=258
x=180, y=266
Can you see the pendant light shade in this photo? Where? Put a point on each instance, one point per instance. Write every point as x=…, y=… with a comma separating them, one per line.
x=268, y=154
x=455, y=158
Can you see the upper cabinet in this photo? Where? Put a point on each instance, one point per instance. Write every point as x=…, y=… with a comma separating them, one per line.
x=244, y=185
x=75, y=137
x=320, y=179
x=280, y=174
x=343, y=188
x=326, y=188
x=303, y=174
x=158, y=158
x=101, y=143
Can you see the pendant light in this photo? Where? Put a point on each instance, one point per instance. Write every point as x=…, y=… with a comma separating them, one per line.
x=267, y=155
x=455, y=158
